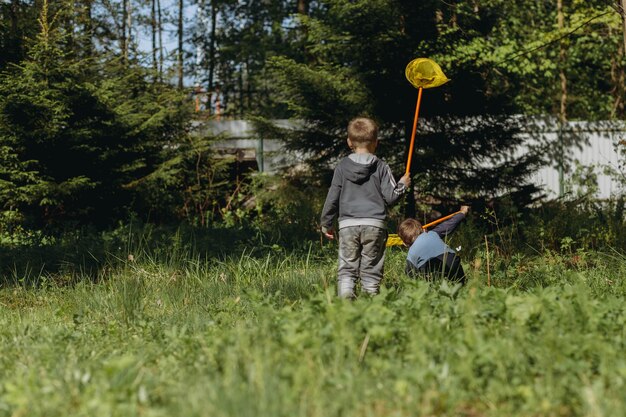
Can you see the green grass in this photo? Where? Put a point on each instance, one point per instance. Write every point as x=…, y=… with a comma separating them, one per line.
x=265, y=336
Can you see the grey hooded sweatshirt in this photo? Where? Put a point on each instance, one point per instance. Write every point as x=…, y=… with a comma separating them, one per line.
x=360, y=192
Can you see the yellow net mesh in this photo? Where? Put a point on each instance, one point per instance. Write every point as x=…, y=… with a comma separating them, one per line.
x=394, y=240
x=425, y=73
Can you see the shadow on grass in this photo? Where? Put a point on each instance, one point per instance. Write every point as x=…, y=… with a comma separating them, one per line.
x=85, y=254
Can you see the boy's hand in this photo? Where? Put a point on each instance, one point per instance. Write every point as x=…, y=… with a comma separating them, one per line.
x=464, y=209
x=329, y=233
x=406, y=180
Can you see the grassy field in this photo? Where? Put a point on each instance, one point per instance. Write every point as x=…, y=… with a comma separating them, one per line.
x=265, y=336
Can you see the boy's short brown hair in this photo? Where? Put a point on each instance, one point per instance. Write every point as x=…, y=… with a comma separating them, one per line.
x=362, y=131
x=409, y=230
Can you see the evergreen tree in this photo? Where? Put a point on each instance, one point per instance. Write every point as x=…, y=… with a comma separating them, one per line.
x=18, y=20
x=234, y=40
x=466, y=139
x=74, y=134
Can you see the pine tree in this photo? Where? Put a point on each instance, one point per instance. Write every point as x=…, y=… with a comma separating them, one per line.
x=17, y=23
x=359, y=50
x=75, y=133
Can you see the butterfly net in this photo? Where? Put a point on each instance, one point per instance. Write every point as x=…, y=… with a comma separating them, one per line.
x=425, y=73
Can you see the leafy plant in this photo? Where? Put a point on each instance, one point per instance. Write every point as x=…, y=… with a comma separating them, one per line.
x=266, y=336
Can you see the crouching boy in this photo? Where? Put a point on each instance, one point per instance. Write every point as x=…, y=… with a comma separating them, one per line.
x=429, y=256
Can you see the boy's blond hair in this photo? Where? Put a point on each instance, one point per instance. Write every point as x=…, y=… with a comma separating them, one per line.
x=362, y=131
x=409, y=230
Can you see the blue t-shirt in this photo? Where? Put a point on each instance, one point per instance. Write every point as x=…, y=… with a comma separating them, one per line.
x=430, y=244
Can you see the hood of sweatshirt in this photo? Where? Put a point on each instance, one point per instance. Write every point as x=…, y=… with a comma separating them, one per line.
x=357, y=168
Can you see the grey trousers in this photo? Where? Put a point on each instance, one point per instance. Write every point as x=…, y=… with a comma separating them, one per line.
x=361, y=255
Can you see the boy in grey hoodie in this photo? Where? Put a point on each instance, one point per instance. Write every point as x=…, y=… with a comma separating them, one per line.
x=359, y=194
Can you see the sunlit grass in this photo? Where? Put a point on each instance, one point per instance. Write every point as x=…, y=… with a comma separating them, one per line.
x=180, y=334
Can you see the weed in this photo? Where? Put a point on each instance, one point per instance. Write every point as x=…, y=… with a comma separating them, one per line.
x=264, y=334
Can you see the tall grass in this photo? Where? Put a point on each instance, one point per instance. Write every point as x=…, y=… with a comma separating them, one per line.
x=176, y=333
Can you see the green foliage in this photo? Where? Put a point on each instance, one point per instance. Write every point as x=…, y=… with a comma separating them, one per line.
x=568, y=231
x=359, y=51
x=38, y=102
x=247, y=34
x=17, y=23
x=336, y=90
x=266, y=336
x=74, y=133
x=191, y=183
x=517, y=46
x=283, y=210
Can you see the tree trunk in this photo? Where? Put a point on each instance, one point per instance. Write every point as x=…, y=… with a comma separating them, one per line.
x=15, y=43
x=240, y=82
x=153, y=24
x=621, y=79
x=620, y=85
x=89, y=27
x=179, y=55
x=563, y=102
x=124, y=44
x=160, y=23
x=562, y=59
x=129, y=24
x=617, y=79
x=249, y=85
x=303, y=7
x=70, y=24
x=624, y=22
x=212, y=43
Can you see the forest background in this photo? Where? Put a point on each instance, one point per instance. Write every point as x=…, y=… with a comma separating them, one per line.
x=145, y=273
x=96, y=132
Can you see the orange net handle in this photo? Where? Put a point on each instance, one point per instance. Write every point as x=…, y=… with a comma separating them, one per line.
x=417, y=113
x=443, y=219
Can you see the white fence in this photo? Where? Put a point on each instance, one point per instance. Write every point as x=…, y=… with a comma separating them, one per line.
x=593, y=163
x=240, y=137
x=590, y=150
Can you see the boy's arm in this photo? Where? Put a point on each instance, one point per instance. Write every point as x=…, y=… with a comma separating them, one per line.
x=391, y=190
x=331, y=206
x=447, y=227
